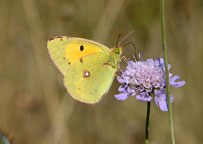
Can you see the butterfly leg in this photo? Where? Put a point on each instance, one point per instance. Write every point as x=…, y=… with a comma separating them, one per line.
x=117, y=75
x=119, y=67
x=125, y=59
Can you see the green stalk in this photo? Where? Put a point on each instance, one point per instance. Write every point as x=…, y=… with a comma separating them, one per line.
x=166, y=69
x=147, y=124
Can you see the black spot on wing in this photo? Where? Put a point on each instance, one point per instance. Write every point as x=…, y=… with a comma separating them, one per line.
x=81, y=48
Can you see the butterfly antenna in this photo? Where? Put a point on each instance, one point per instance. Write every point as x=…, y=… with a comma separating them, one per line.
x=125, y=37
x=117, y=43
x=134, y=49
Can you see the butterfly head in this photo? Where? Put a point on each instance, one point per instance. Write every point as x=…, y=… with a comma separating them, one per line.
x=116, y=54
x=117, y=51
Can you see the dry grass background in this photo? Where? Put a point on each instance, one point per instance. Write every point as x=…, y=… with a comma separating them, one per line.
x=34, y=105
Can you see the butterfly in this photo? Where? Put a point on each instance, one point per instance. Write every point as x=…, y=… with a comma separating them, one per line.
x=88, y=67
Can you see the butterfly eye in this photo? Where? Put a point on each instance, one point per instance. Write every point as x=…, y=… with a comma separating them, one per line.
x=117, y=51
x=81, y=48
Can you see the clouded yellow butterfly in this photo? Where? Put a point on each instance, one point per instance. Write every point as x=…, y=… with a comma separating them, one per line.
x=88, y=67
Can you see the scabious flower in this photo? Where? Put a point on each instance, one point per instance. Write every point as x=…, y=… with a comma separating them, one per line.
x=144, y=78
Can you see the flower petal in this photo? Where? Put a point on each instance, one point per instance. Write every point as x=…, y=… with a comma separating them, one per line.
x=163, y=105
x=133, y=91
x=179, y=84
x=161, y=102
x=161, y=99
x=143, y=97
x=156, y=92
x=169, y=66
x=121, y=96
x=172, y=98
x=121, y=89
x=131, y=63
x=174, y=83
x=120, y=80
x=150, y=60
x=174, y=78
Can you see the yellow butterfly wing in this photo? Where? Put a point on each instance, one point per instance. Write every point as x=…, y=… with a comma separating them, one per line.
x=87, y=80
x=88, y=66
x=65, y=51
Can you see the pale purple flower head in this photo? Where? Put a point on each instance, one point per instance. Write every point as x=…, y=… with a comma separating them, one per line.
x=144, y=78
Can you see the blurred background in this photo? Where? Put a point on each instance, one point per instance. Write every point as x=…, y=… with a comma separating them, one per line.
x=34, y=105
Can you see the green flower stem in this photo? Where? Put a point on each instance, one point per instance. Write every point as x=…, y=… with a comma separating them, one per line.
x=147, y=124
x=166, y=69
